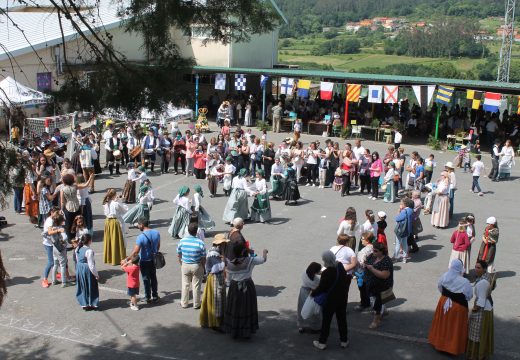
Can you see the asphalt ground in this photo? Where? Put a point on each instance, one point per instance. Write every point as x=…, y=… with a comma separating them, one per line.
x=38, y=323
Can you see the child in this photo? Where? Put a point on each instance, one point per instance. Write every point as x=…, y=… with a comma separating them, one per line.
x=229, y=170
x=466, y=158
x=470, y=230
x=132, y=280
x=461, y=244
x=381, y=226
x=338, y=180
x=297, y=129
x=264, y=137
x=324, y=163
x=476, y=147
x=477, y=169
x=150, y=193
x=369, y=225
x=429, y=164
x=419, y=174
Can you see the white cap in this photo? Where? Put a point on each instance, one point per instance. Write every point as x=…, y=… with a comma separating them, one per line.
x=381, y=214
x=449, y=164
x=491, y=220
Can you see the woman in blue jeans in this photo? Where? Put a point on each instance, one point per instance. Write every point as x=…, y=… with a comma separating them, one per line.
x=47, y=247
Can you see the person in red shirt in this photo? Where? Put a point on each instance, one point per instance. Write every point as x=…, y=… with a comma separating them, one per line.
x=132, y=280
x=461, y=245
x=200, y=158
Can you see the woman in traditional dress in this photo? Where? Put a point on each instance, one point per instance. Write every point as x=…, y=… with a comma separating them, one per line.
x=277, y=175
x=261, y=208
x=461, y=245
x=248, y=118
x=310, y=281
x=114, y=242
x=389, y=183
x=241, y=316
x=481, y=338
x=69, y=201
x=31, y=196
x=488, y=246
x=290, y=190
x=441, y=205
x=87, y=277
x=229, y=171
x=130, y=184
x=85, y=204
x=214, y=296
x=181, y=218
x=449, y=329
x=205, y=221
x=141, y=209
x=507, y=160
x=237, y=203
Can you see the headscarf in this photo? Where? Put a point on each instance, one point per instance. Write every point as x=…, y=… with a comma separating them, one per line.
x=453, y=281
x=143, y=189
x=229, y=158
x=141, y=168
x=260, y=172
x=183, y=190
x=242, y=172
x=329, y=259
x=198, y=189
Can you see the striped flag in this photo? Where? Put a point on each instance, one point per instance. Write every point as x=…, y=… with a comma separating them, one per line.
x=326, y=89
x=303, y=88
x=518, y=110
x=474, y=98
x=353, y=92
x=492, y=102
x=391, y=94
x=444, y=94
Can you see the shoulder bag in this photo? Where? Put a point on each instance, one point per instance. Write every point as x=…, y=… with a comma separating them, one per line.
x=321, y=299
x=157, y=257
x=401, y=228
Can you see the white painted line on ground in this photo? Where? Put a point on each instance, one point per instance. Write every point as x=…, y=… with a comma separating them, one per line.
x=17, y=259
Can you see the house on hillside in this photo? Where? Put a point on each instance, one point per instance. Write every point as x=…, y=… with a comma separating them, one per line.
x=36, y=57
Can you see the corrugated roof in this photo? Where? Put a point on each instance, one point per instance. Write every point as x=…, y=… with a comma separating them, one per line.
x=379, y=79
x=42, y=29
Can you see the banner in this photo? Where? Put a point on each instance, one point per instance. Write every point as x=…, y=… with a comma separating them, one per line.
x=326, y=89
x=375, y=93
x=391, y=94
x=220, y=81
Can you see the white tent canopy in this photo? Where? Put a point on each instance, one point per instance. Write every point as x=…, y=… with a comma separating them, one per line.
x=14, y=93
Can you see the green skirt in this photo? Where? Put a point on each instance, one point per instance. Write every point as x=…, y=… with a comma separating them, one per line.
x=261, y=208
x=484, y=348
x=114, y=246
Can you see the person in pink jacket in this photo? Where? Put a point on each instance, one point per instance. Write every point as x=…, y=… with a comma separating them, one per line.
x=376, y=168
x=461, y=245
x=191, y=146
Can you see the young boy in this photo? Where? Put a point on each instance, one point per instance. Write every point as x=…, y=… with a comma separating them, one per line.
x=429, y=164
x=132, y=280
x=322, y=169
x=477, y=168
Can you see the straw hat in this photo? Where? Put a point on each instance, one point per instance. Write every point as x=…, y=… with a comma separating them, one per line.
x=219, y=239
x=449, y=165
x=48, y=153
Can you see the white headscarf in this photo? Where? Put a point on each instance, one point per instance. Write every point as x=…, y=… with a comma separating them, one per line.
x=329, y=259
x=453, y=281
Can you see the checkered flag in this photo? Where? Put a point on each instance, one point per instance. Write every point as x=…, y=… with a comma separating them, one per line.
x=240, y=82
x=220, y=82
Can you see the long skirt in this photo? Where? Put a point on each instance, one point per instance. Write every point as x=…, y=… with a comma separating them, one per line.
x=212, y=184
x=441, y=211
x=449, y=331
x=129, y=192
x=261, y=208
x=236, y=206
x=138, y=211
x=114, y=245
x=314, y=322
x=213, y=301
x=463, y=256
x=290, y=191
x=277, y=186
x=481, y=339
x=205, y=220
x=389, y=195
x=87, y=291
x=241, y=318
x=490, y=255
x=97, y=166
x=31, y=206
x=227, y=182
x=504, y=167
x=180, y=222
x=86, y=211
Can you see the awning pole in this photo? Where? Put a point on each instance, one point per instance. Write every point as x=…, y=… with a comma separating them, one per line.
x=437, y=122
x=263, y=101
x=196, y=95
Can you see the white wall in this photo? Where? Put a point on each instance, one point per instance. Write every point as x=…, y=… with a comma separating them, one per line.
x=260, y=52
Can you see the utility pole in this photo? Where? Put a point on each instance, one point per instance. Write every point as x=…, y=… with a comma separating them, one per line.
x=507, y=42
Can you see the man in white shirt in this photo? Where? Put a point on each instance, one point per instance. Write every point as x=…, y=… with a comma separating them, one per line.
x=359, y=152
x=495, y=155
x=477, y=168
x=107, y=135
x=398, y=138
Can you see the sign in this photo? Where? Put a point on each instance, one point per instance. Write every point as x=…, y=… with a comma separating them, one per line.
x=44, y=81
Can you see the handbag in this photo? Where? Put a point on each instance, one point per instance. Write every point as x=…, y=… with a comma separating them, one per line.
x=310, y=308
x=384, y=186
x=401, y=228
x=157, y=257
x=321, y=299
x=387, y=295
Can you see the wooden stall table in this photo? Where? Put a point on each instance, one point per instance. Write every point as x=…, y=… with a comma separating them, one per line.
x=366, y=128
x=286, y=124
x=320, y=126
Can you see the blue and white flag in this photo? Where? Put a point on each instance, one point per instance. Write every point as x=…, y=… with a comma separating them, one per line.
x=263, y=80
x=287, y=86
x=240, y=82
x=220, y=81
x=375, y=93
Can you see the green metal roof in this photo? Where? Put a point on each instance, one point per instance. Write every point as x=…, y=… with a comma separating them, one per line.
x=376, y=79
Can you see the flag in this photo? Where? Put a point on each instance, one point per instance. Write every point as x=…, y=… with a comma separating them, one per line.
x=353, y=92
x=287, y=86
x=326, y=89
x=492, y=102
x=303, y=88
x=220, y=81
x=240, y=82
x=263, y=80
x=518, y=109
x=424, y=94
x=391, y=94
x=444, y=94
x=474, y=98
x=375, y=93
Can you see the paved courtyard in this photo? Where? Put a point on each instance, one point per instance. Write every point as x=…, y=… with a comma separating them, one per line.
x=37, y=323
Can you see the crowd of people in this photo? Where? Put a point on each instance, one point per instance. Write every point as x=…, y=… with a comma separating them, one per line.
x=56, y=198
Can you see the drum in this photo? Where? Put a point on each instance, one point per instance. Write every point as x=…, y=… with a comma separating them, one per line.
x=136, y=151
x=117, y=154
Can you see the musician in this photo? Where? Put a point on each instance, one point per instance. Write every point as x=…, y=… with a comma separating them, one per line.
x=86, y=157
x=107, y=135
x=132, y=143
x=150, y=145
x=112, y=145
x=166, y=146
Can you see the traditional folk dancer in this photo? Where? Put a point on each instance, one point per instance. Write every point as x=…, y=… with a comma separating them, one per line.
x=129, y=188
x=237, y=206
x=277, y=176
x=229, y=171
x=441, y=205
x=114, y=242
x=141, y=210
x=114, y=147
x=215, y=171
x=290, y=190
x=87, y=291
x=488, y=245
x=181, y=218
x=214, y=296
x=150, y=145
x=205, y=221
x=261, y=208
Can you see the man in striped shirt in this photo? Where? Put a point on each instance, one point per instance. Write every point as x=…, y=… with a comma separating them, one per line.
x=192, y=257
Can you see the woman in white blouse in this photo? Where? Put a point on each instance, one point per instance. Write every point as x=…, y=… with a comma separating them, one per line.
x=237, y=205
x=114, y=243
x=507, y=160
x=261, y=208
x=87, y=277
x=349, y=226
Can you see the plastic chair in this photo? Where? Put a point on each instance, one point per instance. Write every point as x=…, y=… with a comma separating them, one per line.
x=336, y=130
x=388, y=136
x=356, y=131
